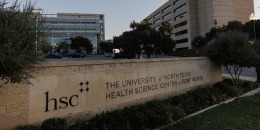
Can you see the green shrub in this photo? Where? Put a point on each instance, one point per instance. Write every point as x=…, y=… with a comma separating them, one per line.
x=229, y=90
x=248, y=85
x=28, y=127
x=54, y=124
x=82, y=125
x=178, y=113
x=158, y=113
x=228, y=81
x=233, y=90
x=114, y=120
x=161, y=112
x=219, y=85
x=136, y=116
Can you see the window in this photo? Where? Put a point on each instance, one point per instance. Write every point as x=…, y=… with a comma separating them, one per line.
x=175, y=2
x=184, y=48
x=157, y=21
x=169, y=21
x=180, y=24
x=180, y=8
x=167, y=8
x=149, y=19
x=182, y=41
x=180, y=16
x=157, y=28
x=181, y=32
x=156, y=15
x=167, y=15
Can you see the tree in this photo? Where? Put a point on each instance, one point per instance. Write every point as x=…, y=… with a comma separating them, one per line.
x=62, y=46
x=18, y=54
x=257, y=62
x=164, y=42
x=234, y=51
x=199, y=42
x=234, y=26
x=249, y=28
x=80, y=43
x=143, y=37
x=106, y=46
x=231, y=26
x=213, y=33
x=166, y=29
x=128, y=42
x=45, y=46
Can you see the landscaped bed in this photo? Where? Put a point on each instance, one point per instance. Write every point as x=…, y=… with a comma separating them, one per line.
x=241, y=114
x=157, y=113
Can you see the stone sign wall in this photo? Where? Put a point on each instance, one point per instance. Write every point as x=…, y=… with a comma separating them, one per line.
x=82, y=89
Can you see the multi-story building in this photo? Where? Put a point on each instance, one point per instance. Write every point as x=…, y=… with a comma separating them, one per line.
x=63, y=26
x=191, y=18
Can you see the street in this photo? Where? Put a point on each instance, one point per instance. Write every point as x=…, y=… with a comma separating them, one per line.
x=247, y=74
x=101, y=57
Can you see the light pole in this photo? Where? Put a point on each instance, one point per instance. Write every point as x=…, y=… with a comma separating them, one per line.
x=215, y=25
x=36, y=26
x=141, y=48
x=253, y=17
x=68, y=42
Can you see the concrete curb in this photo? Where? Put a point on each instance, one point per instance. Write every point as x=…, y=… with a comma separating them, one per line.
x=250, y=93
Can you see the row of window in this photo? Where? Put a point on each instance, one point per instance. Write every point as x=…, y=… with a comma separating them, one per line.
x=168, y=7
x=175, y=18
x=156, y=15
x=176, y=1
x=180, y=8
x=180, y=16
x=70, y=28
x=182, y=41
x=157, y=27
x=180, y=24
x=181, y=32
x=167, y=15
x=157, y=21
x=175, y=26
x=67, y=22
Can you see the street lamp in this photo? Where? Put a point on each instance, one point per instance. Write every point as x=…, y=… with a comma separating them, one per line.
x=215, y=22
x=215, y=25
x=253, y=17
x=36, y=26
x=141, y=48
x=68, y=42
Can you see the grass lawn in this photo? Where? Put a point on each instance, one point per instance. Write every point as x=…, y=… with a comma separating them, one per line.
x=241, y=114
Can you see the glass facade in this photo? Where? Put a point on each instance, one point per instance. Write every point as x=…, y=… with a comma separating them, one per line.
x=61, y=27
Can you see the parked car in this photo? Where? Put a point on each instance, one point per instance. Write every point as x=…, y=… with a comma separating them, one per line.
x=108, y=54
x=83, y=54
x=77, y=55
x=65, y=54
x=52, y=56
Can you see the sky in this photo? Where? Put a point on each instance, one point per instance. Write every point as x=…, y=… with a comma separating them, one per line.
x=118, y=13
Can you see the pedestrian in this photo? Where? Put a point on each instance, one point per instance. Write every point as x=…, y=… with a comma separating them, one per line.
x=258, y=74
